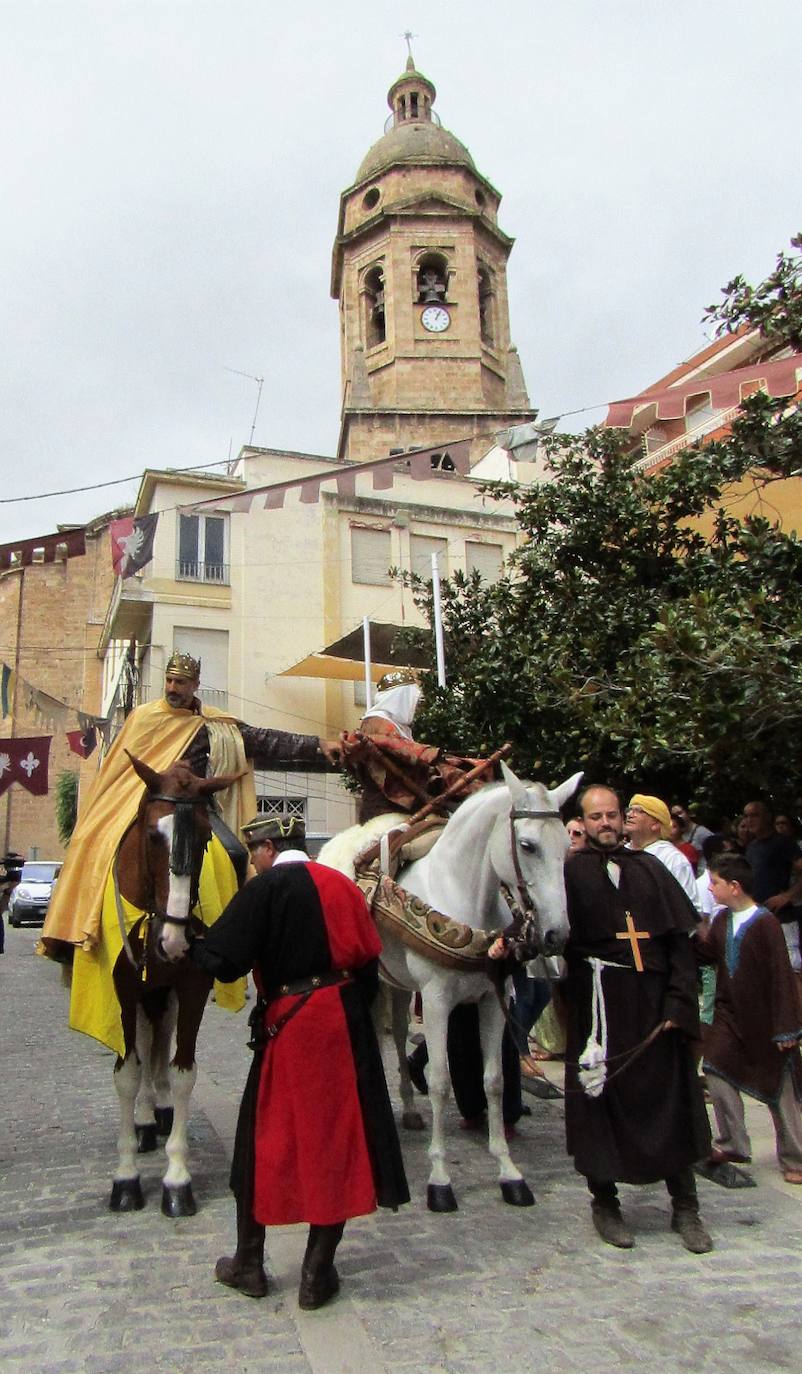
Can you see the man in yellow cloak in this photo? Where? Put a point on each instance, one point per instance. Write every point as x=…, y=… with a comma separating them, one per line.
x=82, y=919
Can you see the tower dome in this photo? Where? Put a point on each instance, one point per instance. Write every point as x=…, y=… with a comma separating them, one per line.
x=413, y=132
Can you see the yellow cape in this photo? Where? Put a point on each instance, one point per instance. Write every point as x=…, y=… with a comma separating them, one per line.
x=159, y=734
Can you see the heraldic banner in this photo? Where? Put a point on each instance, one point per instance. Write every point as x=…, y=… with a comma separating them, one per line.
x=25, y=761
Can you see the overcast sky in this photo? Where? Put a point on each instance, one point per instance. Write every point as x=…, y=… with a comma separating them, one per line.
x=171, y=184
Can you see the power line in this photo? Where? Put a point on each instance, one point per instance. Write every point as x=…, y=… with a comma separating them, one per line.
x=98, y=486
x=221, y=462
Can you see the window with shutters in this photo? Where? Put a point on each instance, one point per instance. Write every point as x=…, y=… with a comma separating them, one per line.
x=421, y=548
x=371, y=556
x=202, y=548
x=211, y=647
x=486, y=559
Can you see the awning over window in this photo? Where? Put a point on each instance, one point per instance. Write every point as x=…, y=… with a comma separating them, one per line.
x=344, y=660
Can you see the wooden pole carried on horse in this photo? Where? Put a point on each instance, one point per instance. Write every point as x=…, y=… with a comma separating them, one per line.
x=434, y=803
x=461, y=783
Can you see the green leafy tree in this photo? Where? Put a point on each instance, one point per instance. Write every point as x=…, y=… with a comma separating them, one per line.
x=774, y=307
x=641, y=632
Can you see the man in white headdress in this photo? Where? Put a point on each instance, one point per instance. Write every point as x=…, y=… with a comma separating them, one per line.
x=396, y=775
x=393, y=711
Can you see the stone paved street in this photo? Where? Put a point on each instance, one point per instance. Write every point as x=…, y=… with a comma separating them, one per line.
x=488, y=1288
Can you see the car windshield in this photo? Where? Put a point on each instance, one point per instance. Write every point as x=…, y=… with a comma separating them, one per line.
x=39, y=873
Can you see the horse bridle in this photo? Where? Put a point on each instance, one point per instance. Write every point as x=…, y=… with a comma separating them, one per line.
x=180, y=864
x=527, y=906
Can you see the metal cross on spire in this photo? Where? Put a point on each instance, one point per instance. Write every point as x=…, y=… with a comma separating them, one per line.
x=409, y=35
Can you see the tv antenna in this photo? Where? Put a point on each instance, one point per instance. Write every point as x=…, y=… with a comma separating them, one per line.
x=260, y=381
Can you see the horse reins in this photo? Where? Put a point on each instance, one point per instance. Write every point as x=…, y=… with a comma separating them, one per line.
x=628, y=1056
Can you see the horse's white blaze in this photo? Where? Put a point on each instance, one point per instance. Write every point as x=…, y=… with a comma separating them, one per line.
x=174, y=942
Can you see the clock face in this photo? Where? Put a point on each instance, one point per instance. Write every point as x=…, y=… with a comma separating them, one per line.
x=435, y=318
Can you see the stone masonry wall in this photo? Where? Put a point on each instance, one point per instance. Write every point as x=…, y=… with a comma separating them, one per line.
x=63, y=608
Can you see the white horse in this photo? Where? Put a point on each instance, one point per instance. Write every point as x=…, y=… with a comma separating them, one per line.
x=507, y=833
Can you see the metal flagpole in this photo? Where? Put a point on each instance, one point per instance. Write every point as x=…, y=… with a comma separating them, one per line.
x=368, y=684
x=438, y=622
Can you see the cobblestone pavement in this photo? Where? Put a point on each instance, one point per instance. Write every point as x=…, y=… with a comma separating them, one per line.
x=85, y=1290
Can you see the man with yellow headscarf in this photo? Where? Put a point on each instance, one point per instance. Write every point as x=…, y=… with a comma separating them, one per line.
x=81, y=921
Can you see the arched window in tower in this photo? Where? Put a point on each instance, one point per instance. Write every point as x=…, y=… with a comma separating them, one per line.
x=432, y=278
x=373, y=295
x=486, y=305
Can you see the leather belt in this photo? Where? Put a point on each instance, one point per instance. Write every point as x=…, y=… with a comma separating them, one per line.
x=264, y=1031
x=318, y=980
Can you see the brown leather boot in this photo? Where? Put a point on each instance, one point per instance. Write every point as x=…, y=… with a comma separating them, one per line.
x=319, y=1279
x=687, y=1223
x=245, y=1270
x=611, y=1226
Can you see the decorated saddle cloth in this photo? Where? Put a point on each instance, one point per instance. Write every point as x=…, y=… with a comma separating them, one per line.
x=357, y=853
x=449, y=943
x=94, y=1008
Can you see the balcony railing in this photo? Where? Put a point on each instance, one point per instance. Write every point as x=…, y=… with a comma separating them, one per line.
x=186, y=571
x=214, y=696
x=672, y=446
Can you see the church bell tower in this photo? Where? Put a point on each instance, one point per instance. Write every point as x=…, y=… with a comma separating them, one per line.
x=420, y=272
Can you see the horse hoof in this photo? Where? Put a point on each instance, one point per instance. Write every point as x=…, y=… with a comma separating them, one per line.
x=146, y=1140
x=412, y=1121
x=177, y=1200
x=440, y=1198
x=517, y=1193
x=126, y=1195
x=164, y=1120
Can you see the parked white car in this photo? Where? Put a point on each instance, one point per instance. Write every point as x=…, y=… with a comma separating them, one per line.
x=28, y=902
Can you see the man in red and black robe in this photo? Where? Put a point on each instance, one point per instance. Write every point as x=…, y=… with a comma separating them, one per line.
x=316, y=1139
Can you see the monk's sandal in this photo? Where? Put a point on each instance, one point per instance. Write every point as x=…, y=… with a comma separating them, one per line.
x=611, y=1226
x=691, y=1231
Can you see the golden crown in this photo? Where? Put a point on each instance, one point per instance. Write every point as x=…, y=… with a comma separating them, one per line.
x=183, y=665
x=399, y=677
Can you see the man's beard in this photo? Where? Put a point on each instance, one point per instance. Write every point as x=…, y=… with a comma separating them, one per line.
x=613, y=839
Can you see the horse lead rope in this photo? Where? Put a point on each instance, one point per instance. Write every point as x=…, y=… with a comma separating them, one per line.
x=629, y=1056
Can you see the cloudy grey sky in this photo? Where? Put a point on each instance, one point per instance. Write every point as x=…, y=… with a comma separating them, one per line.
x=171, y=183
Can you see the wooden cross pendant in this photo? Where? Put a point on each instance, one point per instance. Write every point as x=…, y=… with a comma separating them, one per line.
x=633, y=936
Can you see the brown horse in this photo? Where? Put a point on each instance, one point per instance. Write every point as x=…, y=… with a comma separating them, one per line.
x=157, y=869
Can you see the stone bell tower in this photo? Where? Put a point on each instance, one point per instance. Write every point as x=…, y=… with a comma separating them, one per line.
x=420, y=272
